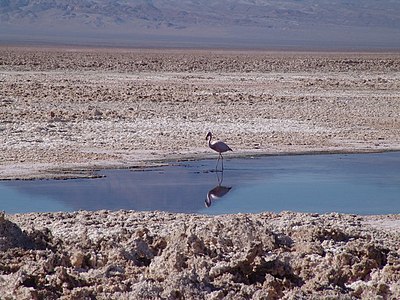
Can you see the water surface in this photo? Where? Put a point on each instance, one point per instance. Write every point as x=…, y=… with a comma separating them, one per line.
x=346, y=183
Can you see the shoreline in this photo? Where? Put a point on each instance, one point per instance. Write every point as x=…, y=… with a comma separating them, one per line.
x=277, y=49
x=79, y=171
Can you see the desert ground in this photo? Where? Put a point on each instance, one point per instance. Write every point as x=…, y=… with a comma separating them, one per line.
x=65, y=112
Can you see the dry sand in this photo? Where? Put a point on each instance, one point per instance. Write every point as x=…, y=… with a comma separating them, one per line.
x=65, y=112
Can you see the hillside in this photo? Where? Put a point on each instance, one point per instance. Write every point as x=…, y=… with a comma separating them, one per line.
x=259, y=23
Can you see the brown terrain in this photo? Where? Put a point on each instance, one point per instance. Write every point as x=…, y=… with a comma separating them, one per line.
x=65, y=112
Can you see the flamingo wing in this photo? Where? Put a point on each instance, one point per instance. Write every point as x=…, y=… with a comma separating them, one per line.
x=220, y=146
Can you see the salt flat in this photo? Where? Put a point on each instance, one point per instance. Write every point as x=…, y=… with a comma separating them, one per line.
x=64, y=112
x=89, y=108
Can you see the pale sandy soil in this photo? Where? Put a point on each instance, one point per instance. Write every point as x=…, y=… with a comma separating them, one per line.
x=82, y=109
x=64, y=112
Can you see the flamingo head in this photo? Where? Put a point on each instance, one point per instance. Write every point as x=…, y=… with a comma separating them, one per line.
x=209, y=134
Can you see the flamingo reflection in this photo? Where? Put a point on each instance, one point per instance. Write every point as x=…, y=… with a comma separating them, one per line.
x=217, y=192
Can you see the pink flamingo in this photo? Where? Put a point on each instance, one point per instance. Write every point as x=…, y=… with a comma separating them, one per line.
x=218, y=146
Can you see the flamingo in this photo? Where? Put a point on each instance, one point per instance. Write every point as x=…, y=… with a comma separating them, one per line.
x=218, y=146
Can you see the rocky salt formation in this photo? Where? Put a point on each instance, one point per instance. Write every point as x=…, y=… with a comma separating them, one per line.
x=155, y=255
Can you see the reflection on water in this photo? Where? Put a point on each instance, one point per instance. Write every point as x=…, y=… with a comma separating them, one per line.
x=217, y=192
x=355, y=183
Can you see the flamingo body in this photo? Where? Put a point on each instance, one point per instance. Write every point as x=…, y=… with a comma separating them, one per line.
x=219, y=146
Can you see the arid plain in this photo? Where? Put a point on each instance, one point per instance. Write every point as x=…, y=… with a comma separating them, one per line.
x=67, y=111
x=84, y=108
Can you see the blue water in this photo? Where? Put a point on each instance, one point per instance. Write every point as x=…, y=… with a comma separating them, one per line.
x=345, y=183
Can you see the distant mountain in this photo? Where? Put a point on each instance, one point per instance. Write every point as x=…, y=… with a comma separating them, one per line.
x=222, y=23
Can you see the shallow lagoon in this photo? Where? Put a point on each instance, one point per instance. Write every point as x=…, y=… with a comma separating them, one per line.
x=345, y=183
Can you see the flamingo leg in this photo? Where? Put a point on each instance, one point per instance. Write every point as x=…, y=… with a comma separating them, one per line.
x=216, y=167
x=220, y=157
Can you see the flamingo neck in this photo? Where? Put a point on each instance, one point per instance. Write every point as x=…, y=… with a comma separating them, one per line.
x=209, y=140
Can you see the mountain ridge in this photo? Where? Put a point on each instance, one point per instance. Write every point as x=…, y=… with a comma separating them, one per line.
x=239, y=21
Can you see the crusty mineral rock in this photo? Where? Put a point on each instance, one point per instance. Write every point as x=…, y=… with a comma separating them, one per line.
x=155, y=255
